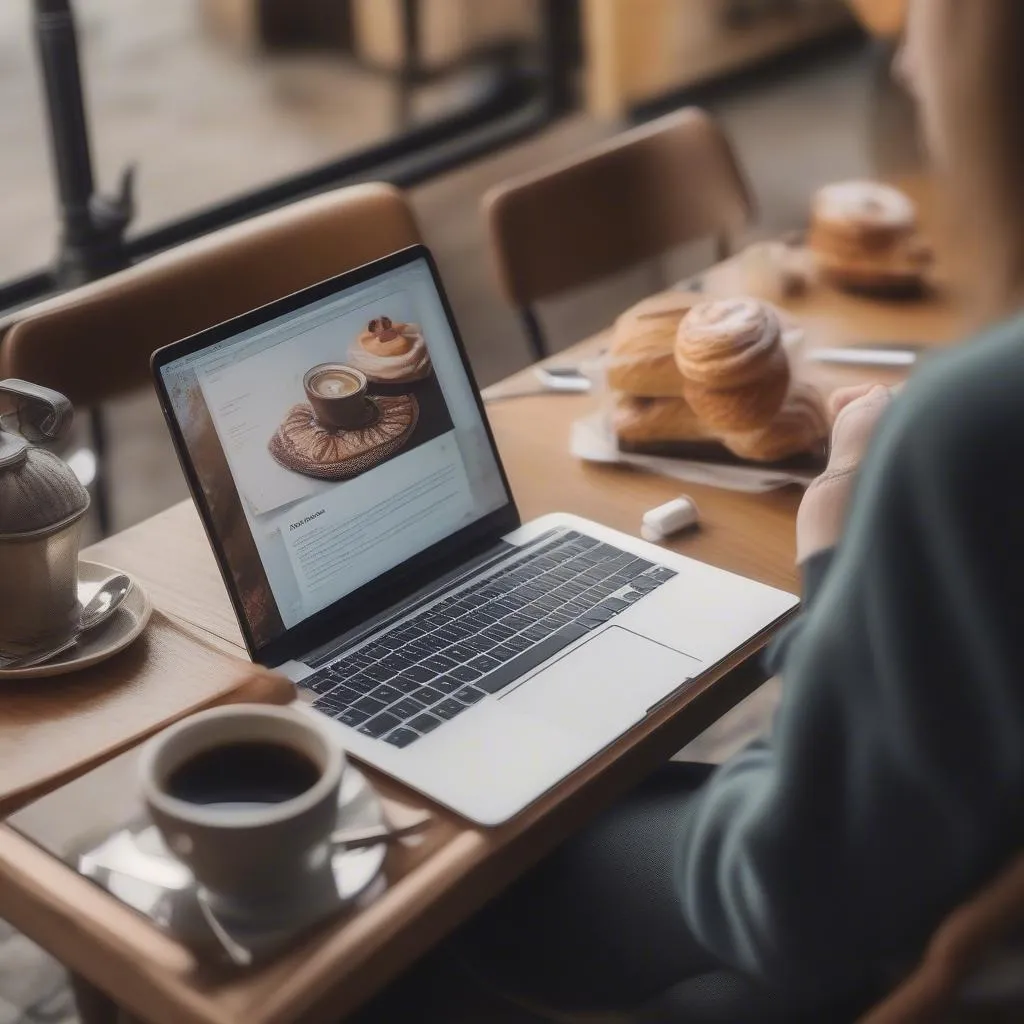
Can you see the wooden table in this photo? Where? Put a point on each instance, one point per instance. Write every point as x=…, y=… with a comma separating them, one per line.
x=436, y=886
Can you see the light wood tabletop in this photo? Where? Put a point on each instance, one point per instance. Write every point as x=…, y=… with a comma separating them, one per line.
x=436, y=885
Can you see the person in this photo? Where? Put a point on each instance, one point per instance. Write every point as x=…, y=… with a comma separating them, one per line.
x=804, y=874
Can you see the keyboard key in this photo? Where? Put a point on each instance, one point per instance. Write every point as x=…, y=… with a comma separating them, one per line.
x=448, y=634
x=538, y=632
x=448, y=709
x=386, y=694
x=481, y=618
x=352, y=717
x=470, y=694
x=518, y=622
x=423, y=648
x=595, y=617
x=405, y=684
x=662, y=573
x=631, y=596
x=380, y=724
x=425, y=724
x=464, y=674
x=518, y=644
x=478, y=644
x=369, y=705
x=506, y=652
x=407, y=707
x=329, y=705
x=428, y=695
x=446, y=684
x=410, y=631
x=614, y=604
x=419, y=673
x=396, y=662
x=401, y=737
x=484, y=664
x=498, y=632
x=320, y=682
x=547, y=603
x=378, y=672
x=376, y=650
x=345, y=694
x=461, y=653
x=517, y=667
x=440, y=663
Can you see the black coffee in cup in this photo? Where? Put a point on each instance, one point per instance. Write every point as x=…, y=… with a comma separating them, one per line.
x=243, y=776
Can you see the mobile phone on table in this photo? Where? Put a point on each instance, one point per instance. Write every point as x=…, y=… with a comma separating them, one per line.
x=562, y=378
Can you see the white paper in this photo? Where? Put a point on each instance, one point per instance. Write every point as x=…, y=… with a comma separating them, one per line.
x=592, y=440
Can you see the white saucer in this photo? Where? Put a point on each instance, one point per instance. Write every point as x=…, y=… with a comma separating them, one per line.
x=115, y=635
x=168, y=895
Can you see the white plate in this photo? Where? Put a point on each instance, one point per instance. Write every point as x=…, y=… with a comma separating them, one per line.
x=168, y=896
x=113, y=636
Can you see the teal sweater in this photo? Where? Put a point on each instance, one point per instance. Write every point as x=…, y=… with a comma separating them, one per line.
x=892, y=785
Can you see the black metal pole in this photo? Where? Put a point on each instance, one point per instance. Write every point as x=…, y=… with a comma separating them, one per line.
x=92, y=227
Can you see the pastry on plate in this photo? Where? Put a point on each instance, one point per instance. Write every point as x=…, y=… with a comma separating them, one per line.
x=390, y=352
x=641, y=359
x=735, y=370
x=864, y=235
x=800, y=427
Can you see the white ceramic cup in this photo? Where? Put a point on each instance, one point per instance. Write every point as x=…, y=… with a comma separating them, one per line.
x=248, y=859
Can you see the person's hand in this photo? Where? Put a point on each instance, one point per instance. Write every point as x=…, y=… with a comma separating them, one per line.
x=856, y=412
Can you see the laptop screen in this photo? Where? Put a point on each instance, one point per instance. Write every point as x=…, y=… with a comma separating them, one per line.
x=333, y=443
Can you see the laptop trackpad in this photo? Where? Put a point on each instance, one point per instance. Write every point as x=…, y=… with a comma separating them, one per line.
x=603, y=686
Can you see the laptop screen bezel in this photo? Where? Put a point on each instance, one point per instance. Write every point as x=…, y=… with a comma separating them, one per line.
x=391, y=587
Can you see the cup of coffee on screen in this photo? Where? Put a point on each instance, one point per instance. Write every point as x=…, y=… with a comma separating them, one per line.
x=337, y=394
x=247, y=797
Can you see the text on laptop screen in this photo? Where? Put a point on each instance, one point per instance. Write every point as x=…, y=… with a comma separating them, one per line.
x=316, y=486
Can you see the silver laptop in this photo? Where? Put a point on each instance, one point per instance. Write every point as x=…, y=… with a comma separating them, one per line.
x=382, y=565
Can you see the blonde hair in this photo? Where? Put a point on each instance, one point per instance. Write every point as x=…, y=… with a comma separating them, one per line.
x=980, y=93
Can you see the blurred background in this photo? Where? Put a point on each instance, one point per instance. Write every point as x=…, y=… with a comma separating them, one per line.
x=227, y=108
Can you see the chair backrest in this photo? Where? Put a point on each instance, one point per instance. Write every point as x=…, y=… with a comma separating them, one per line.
x=973, y=968
x=95, y=343
x=637, y=196
x=883, y=18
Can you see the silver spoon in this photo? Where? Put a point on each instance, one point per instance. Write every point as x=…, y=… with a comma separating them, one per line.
x=99, y=608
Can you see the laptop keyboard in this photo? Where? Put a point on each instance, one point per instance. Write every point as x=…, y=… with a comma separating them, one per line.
x=410, y=680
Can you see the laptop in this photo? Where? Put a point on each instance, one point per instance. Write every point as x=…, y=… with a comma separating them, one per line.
x=383, y=566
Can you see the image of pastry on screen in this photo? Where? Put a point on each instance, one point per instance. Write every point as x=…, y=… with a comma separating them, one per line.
x=348, y=424
x=390, y=351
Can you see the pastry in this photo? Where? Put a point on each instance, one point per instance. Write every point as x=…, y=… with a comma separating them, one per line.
x=801, y=426
x=735, y=370
x=390, y=352
x=864, y=235
x=301, y=444
x=641, y=360
x=640, y=421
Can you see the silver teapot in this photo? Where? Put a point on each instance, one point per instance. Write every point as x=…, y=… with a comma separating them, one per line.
x=42, y=510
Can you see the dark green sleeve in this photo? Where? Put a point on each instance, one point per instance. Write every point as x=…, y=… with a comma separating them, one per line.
x=892, y=785
x=813, y=573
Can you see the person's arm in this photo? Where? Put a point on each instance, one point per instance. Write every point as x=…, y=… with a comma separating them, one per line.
x=812, y=573
x=892, y=784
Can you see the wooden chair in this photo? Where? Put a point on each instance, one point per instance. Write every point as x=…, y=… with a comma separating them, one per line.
x=973, y=968
x=628, y=201
x=884, y=19
x=94, y=343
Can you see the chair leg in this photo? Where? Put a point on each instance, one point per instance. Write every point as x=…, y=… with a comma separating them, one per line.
x=101, y=488
x=534, y=333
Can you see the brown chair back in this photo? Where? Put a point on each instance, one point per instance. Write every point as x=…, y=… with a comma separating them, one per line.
x=968, y=973
x=643, y=193
x=94, y=343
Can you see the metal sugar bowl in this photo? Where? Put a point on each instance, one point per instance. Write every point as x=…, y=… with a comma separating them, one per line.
x=42, y=509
